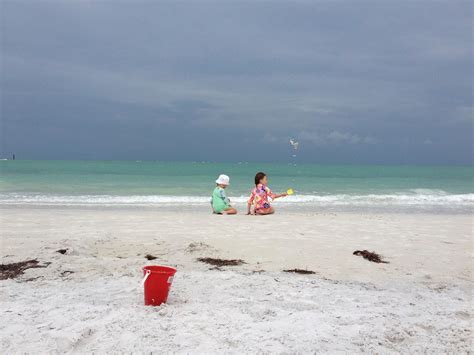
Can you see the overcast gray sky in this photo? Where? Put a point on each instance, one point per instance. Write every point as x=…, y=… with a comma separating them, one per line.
x=354, y=81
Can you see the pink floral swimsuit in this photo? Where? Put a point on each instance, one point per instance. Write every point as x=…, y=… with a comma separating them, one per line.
x=260, y=195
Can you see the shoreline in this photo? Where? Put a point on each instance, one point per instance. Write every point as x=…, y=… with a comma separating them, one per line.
x=287, y=209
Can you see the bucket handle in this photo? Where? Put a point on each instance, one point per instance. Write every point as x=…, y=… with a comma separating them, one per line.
x=148, y=272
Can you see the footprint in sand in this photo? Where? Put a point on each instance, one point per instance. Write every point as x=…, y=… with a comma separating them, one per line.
x=197, y=247
x=462, y=315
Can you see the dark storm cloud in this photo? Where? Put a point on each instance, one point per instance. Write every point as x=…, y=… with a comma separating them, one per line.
x=371, y=81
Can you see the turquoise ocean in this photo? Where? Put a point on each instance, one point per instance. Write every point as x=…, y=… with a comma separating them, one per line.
x=149, y=183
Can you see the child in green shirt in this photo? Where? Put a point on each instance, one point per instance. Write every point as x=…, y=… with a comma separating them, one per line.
x=220, y=203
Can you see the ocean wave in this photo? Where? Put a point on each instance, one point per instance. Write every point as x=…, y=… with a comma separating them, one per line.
x=411, y=198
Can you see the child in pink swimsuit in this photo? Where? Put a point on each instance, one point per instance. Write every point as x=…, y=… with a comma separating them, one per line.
x=259, y=196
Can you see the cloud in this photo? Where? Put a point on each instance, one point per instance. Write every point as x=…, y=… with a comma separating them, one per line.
x=335, y=138
x=370, y=140
x=345, y=75
x=269, y=138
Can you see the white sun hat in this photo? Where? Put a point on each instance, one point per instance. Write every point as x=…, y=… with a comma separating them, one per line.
x=223, y=180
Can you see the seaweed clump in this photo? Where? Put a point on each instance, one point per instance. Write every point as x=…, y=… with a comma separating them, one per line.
x=371, y=256
x=150, y=257
x=11, y=271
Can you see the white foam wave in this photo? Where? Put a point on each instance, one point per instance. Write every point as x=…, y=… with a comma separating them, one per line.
x=419, y=198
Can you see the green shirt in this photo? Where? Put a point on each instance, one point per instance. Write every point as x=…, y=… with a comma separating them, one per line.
x=219, y=201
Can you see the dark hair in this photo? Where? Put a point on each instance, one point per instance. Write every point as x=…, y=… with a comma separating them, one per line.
x=259, y=176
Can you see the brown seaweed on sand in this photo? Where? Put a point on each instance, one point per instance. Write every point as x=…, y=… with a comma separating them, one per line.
x=371, y=256
x=150, y=257
x=10, y=271
x=221, y=262
x=300, y=271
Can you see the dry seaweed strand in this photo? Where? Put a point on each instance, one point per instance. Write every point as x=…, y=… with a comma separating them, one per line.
x=300, y=271
x=221, y=262
x=371, y=256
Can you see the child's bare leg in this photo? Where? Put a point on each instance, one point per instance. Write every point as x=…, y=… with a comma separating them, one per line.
x=265, y=211
x=230, y=210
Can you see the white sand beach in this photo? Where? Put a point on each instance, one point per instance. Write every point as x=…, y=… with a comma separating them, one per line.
x=90, y=299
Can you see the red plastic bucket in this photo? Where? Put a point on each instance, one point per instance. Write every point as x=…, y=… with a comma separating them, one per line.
x=157, y=282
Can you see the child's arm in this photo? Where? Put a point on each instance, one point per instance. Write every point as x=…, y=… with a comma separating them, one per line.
x=275, y=196
x=224, y=197
x=250, y=202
